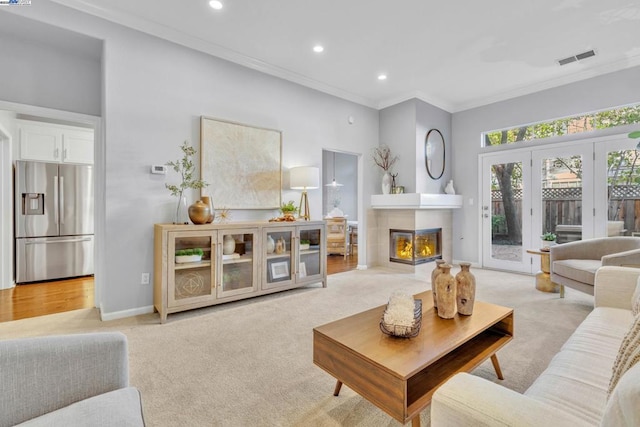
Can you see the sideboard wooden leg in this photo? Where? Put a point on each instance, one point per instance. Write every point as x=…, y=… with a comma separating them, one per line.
x=336, y=391
x=496, y=366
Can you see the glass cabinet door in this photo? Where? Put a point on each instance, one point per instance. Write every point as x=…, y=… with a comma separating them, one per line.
x=191, y=272
x=311, y=263
x=277, y=245
x=237, y=264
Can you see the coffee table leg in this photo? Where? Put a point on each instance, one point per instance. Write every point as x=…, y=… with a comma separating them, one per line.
x=496, y=366
x=336, y=391
x=415, y=422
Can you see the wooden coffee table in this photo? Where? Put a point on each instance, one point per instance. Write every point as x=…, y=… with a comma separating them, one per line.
x=400, y=375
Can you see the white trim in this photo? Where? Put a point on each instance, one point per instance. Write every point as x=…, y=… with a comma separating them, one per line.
x=6, y=210
x=362, y=267
x=125, y=313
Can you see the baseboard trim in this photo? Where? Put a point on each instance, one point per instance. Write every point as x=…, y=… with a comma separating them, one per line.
x=124, y=313
x=361, y=267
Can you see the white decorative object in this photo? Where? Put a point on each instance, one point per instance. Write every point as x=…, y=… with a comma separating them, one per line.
x=449, y=188
x=271, y=244
x=386, y=183
x=181, y=259
x=228, y=245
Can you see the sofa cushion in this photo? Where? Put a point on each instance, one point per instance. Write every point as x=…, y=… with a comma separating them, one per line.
x=628, y=355
x=120, y=407
x=578, y=376
x=623, y=404
x=580, y=270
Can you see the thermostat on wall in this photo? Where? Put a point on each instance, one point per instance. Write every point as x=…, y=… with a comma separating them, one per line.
x=159, y=169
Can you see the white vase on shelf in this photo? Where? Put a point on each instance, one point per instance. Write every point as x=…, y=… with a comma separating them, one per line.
x=386, y=183
x=449, y=188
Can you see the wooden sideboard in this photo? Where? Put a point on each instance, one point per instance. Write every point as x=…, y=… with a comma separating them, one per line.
x=264, y=257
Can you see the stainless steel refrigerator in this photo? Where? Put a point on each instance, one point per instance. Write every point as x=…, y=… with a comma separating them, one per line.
x=53, y=221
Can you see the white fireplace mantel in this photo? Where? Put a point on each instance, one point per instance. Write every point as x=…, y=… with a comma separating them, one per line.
x=416, y=201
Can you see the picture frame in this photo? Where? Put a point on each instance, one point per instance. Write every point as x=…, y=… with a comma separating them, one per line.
x=302, y=269
x=279, y=271
x=242, y=163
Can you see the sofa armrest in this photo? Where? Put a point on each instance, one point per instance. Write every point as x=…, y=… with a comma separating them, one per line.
x=629, y=258
x=40, y=375
x=581, y=249
x=467, y=400
x=614, y=286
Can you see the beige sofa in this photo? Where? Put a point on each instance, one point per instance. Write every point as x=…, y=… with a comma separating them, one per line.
x=572, y=391
x=70, y=380
x=574, y=264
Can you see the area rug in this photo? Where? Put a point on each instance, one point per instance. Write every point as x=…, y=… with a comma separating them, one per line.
x=249, y=363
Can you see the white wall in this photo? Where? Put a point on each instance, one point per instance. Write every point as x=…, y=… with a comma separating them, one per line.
x=429, y=117
x=155, y=93
x=610, y=90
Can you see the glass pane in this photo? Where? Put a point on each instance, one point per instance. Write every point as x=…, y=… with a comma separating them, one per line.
x=279, y=256
x=506, y=211
x=237, y=262
x=192, y=267
x=309, y=252
x=562, y=198
x=623, y=193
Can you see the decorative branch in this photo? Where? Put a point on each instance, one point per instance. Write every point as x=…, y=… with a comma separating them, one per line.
x=383, y=158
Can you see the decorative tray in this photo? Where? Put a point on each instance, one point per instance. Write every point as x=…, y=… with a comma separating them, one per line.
x=403, y=331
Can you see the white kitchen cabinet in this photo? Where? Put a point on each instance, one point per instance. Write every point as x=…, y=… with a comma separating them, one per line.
x=54, y=143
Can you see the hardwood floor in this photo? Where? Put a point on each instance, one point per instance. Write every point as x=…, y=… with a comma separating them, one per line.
x=338, y=264
x=38, y=299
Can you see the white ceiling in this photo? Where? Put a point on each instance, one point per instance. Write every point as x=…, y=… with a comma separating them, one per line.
x=453, y=54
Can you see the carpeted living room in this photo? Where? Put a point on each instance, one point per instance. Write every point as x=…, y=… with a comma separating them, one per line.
x=473, y=165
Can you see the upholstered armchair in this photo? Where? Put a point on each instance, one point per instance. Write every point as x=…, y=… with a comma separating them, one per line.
x=574, y=264
x=68, y=380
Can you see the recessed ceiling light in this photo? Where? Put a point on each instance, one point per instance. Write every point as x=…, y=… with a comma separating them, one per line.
x=382, y=77
x=217, y=5
x=318, y=48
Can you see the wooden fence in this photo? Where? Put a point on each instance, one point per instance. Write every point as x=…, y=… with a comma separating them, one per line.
x=564, y=206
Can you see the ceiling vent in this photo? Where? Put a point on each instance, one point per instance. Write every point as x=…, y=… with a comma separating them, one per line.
x=578, y=57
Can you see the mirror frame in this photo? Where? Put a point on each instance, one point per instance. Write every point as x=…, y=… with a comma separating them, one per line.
x=435, y=174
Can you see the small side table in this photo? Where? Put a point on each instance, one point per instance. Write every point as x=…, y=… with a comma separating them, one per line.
x=543, y=277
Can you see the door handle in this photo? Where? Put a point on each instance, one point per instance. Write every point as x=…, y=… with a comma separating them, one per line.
x=48, y=242
x=55, y=198
x=62, y=200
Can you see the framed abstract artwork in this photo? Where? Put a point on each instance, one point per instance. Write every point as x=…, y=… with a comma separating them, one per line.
x=242, y=164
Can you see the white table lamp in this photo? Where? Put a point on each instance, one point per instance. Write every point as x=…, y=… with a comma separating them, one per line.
x=304, y=178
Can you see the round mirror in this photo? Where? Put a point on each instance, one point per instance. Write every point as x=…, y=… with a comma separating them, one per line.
x=434, y=153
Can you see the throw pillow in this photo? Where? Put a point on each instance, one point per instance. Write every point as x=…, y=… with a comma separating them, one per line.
x=635, y=299
x=628, y=355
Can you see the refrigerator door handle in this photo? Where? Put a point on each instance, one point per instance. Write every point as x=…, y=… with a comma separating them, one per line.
x=61, y=200
x=55, y=199
x=46, y=242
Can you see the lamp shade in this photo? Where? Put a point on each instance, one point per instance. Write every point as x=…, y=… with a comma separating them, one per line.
x=304, y=177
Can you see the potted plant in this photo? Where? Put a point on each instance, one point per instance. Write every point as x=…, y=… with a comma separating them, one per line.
x=548, y=239
x=304, y=244
x=288, y=209
x=186, y=168
x=189, y=255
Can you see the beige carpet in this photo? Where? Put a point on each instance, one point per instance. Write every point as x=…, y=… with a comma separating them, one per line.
x=250, y=363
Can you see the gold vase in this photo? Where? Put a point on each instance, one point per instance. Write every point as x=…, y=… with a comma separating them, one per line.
x=207, y=201
x=199, y=212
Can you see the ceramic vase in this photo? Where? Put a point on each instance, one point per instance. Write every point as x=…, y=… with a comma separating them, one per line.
x=271, y=244
x=181, y=211
x=449, y=188
x=386, y=183
x=228, y=244
x=446, y=293
x=199, y=212
x=434, y=274
x=207, y=201
x=465, y=289
x=281, y=246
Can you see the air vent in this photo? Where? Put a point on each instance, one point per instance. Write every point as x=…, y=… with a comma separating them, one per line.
x=578, y=57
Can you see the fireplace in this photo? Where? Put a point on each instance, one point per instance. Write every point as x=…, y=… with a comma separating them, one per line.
x=415, y=246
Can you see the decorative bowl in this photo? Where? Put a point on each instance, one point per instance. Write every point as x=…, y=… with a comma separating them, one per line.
x=402, y=331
